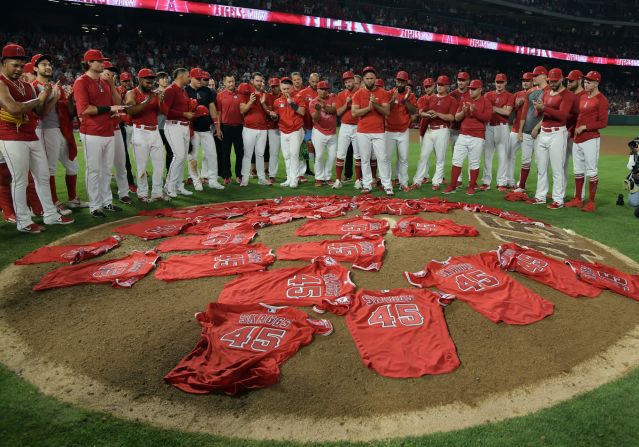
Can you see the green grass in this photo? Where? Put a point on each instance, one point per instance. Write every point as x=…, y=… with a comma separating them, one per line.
x=606, y=416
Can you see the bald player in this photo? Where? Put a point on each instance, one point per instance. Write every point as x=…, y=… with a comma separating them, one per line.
x=574, y=82
x=513, y=141
x=403, y=105
x=348, y=128
x=497, y=134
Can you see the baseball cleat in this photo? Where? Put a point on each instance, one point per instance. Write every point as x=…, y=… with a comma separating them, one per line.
x=170, y=193
x=574, y=203
x=502, y=188
x=111, y=208
x=519, y=190
x=215, y=185
x=126, y=200
x=484, y=187
x=302, y=179
x=62, y=210
x=589, y=207
x=62, y=220
x=77, y=203
x=470, y=191
x=183, y=191
x=555, y=206
x=318, y=183
x=286, y=184
x=536, y=201
x=389, y=191
x=337, y=184
x=133, y=189
x=365, y=190
x=406, y=188
x=358, y=184
x=435, y=187
x=450, y=190
x=32, y=229
x=426, y=180
x=197, y=185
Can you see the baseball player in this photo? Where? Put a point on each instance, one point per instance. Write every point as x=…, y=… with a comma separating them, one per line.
x=574, y=85
x=348, y=129
x=473, y=114
x=309, y=93
x=513, y=141
x=438, y=113
x=230, y=119
x=323, y=112
x=497, y=135
x=177, y=130
x=273, y=131
x=402, y=106
x=19, y=145
x=144, y=104
x=349, y=161
x=126, y=84
x=429, y=90
x=593, y=116
x=298, y=83
x=55, y=130
x=28, y=73
x=163, y=83
x=255, y=133
x=551, y=147
x=95, y=101
x=371, y=105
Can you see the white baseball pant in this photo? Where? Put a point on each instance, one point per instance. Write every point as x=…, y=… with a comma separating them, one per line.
x=497, y=138
x=426, y=167
x=585, y=157
x=551, y=147
x=370, y=144
x=569, y=146
x=325, y=152
x=467, y=146
x=454, y=136
x=128, y=129
x=398, y=142
x=209, y=157
x=178, y=137
x=254, y=141
x=57, y=149
x=291, y=151
x=273, y=151
x=437, y=140
x=98, y=155
x=148, y=143
x=119, y=163
x=347, y=135
x=513, y=146
x=22, y=157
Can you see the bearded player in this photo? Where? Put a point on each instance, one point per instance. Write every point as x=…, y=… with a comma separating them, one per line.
x=513, y=141
x=348, y=129
x=574, y=84
x=403, y=105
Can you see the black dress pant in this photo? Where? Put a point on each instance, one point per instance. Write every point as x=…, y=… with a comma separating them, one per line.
x=231, y=136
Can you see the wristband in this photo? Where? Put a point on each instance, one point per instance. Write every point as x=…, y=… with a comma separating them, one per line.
x=103, y=109
x=294, y=106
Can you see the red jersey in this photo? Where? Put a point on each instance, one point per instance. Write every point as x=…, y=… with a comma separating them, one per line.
x=401, y=333
x=511, y=216
x=307, y=95
x=460, y=97
x=121, y=272
x=520, y=112
x=373, y=121
x=399, y=119
x=93, y=92
x=176, y=102
x=606, y=277
x=361, y=226
x=153, y=228
x=479, y=281
x=228, y=106
x=503, y=99
x=270, y=100
x=395, y=207
x=422, y=103
x=420, y=227
x=551, y=272
x=474, y=123
x=574, y=113
x=242, y=347
x=70, y=253
x=122, y=91
x=557, y=108
x=593, y=113
x=363, y=253
x=149, y=114
x=208, y=211
x=214, y=240
x=231, y=260
x=289, y=120
x=65, y=118
x=327, y=123
x=340, y=101
x=446, y=105
x=205, y=225
x=19, y=127
x=256, y=117
x=323, y=279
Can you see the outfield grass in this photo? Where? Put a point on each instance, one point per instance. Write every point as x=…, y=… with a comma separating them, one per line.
x=606, y=416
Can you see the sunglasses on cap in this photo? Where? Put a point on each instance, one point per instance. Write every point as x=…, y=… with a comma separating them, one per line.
x=500, y=82
x=461, y=79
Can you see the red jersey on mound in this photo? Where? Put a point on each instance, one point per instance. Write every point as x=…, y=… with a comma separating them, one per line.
x=361, y=226
x=418, y=226
x=401, y=333
x=479, y=281
x=121, y=272
x=433, y=206
x=363, y=253
x=242, y=347
x=205, y=225
x=396, y=207
x=214, y=240
x=153, y=228
x=552, y=272
x=606, y=277
x=227, y=261
x=295, y=286
x=70, y=253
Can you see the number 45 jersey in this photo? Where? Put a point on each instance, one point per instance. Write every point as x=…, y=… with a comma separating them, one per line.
x=479, y=281
x=242, y=347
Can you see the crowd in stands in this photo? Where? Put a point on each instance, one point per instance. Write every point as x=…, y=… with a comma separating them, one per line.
x=606, y=10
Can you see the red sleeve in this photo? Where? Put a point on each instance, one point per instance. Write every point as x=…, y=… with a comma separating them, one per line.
x=81, y=96
x=218, y=103
x=452, y=108
x=602, y=115
x=386, y=97
x=420, y=279
x=564, y=109
x=510, y=101
x=484, y=112
x=339, y=102
x=412, y=99
x=300, y=101
x=169, y=99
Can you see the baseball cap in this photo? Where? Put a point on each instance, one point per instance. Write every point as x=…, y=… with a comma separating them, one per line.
x=145, y=73
x=207, y=75
x=193, y=104
x=94, y=55
x=245, y=89
x=402, y=76
x=428, y=82
x=528, y=76
x=593, y=76
x=13, y=51
x=196, y=73
x=475, y=83
x=35, y=60
x=540, y=70
x=125, y=76
x=463, y=75
x=575, y=75
x=501, y=77
x=347, y=75
x=323, y=85
x=273, y=82
x=285, y=80
x=443, y=80
x=201, y=111
x=379, y=82
x=109, y=66
x=28, y=68
x=367, y=69
x=555, y=74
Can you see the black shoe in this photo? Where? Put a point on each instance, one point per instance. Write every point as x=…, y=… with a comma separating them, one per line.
x=309, y=172
x=111, y=208
x=126, y=200
x=98, y=214
x=620, y=201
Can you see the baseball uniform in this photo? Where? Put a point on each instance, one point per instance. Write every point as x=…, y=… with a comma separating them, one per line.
x=397, y=135
x=497, y=138
x=361, y=226
x=153, y=228
x=254, y=136
x=420, y=227
x=606, y=277
x=513, y=142
x=177, y=131
x=347, y=134
x=214, y=240
x=324, y=138
x=291, y=132
x=71, y=254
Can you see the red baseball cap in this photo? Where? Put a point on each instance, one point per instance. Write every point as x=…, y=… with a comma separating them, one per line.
x=402, y=76
x=109, y=66
x=286, y=80
x=593, y=76
x=475, y=83
x=528, y=76
x=125, y=76
x=501, y=77
x=94, y=55
x=379, y=82
x=428, y=82
x=347, y=75
x=575, y=75
x=196, y=73
x=145, y=73
x=463, y=75
x=245, y=89
x=323, y=85
x=273, y=82
x=540, y=70
x=201, y=111
x=28, y=68
x=13, y=51
x=443, y=80
x=367, y=69
x=555, y=74
x=207, y=75
x=35, y=60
